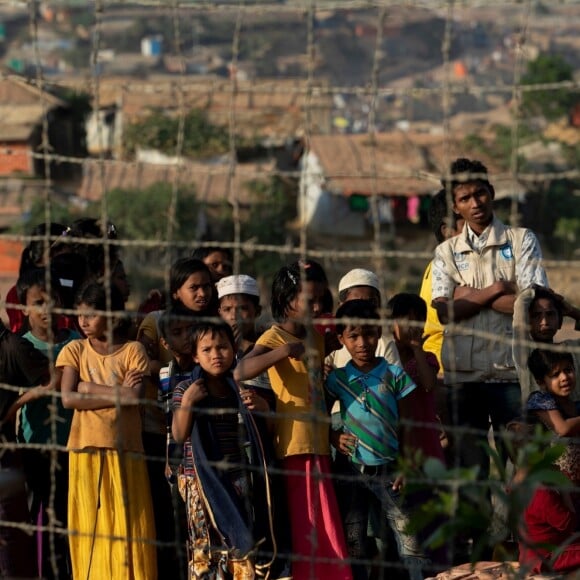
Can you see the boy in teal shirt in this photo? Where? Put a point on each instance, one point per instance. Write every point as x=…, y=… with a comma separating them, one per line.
x=374, y=397
x=44, y=421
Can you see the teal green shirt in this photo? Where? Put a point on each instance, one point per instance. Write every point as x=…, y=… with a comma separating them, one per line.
x=369, y=408
x=36, y=417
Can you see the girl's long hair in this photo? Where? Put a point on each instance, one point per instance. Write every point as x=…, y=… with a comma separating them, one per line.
x=181, y=270
x=286, y=284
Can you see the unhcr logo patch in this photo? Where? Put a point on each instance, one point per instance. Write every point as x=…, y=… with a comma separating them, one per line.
x=506, y=252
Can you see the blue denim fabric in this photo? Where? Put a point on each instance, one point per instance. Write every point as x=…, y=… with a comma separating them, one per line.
x=358, y=496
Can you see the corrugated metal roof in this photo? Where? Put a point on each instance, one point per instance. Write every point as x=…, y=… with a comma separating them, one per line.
x=22, y=107
x=396, y=163
x=387, y=164
x=16, y=90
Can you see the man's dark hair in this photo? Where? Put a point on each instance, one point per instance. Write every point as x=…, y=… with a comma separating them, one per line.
x=541, y=362
x=438, y=213
x=355, y=309
x=465, y=170
x=70, y=272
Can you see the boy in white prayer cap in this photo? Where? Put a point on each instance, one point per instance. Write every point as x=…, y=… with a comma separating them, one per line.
x=361, y=284
x=239, y=306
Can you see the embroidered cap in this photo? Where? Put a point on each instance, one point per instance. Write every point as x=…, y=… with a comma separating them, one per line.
x=359, y=277
x=239, y=284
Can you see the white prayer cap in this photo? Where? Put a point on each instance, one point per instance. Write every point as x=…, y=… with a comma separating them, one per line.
x=239, y=284
x=358, y=277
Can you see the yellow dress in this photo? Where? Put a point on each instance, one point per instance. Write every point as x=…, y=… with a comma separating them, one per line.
x=110, y=514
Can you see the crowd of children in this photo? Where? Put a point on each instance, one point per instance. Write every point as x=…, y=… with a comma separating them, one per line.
x=207, y=440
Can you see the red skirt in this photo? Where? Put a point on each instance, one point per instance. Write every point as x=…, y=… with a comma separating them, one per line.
x=318, y=544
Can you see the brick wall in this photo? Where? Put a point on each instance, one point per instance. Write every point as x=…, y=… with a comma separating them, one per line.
x=15, y=158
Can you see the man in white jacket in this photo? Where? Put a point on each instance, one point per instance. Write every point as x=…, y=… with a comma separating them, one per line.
x=476, y=276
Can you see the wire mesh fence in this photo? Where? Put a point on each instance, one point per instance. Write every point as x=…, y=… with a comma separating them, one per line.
x=185, y=423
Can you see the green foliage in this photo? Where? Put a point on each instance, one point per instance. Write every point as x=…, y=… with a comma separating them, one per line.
x=474, y=142
x=273, y=205
x=143, y=214
x=554, y=212
x=460, y=502
x=501, y=148
x=554, y=103
x=160, y=131
x=568, y=231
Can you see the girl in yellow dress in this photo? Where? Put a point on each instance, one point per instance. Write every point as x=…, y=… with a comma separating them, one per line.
x=110, y=515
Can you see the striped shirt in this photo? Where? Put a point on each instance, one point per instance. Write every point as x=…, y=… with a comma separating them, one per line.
x=369, y=408
x=224, y=417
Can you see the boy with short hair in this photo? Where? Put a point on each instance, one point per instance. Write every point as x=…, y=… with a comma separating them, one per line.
x=44, y=420
x=217, y=259
x=21, y=365
x=375, y=398
x=239, y=306
x=35, y=420
x=175, y=327
x=361, y=284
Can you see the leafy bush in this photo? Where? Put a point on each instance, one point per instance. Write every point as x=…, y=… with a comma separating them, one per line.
x=552, y=103
x=460, y=502
x=160, y=131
